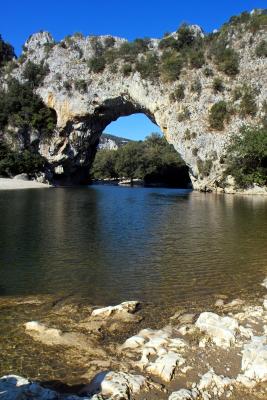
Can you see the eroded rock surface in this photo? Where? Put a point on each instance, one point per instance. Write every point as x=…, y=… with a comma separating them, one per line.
x=86, y=101
x=221, y=330
x=160, y=351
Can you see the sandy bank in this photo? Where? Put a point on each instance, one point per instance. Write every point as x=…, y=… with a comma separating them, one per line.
x=11, y=184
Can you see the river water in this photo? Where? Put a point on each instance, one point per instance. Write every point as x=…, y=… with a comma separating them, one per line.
x=107, y=244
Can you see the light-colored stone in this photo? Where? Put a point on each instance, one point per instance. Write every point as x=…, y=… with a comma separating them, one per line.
x=219, y=303
x=264, y=283
x=254, y=360
x=182, y=394
x=134, y=342
x=53, y=336
x=221, y=330
x=117, y=385
x=160, y=352
x=125, y=307
x=165, y=365
x=210, y=380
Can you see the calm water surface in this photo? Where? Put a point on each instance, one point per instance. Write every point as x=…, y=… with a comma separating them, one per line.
x=108, y=244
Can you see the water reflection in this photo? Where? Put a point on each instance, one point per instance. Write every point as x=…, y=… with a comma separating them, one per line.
x=109, y=244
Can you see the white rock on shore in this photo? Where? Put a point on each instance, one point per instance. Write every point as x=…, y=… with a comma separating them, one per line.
x=209, y=385
x=117, y=385
x=125, y=307
x=221, y=330
x=111, y=385
x=182, y=394
x=160, y=352
x=254, y=360
x=241, y=336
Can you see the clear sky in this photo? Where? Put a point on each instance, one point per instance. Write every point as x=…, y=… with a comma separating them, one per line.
x=125, y=18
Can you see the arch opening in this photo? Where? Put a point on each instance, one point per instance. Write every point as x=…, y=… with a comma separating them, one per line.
x=80, y=143
x=132, y=150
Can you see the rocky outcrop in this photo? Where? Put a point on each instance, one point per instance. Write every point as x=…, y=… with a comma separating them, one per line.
x=154, y=362
x=221, y=330
x=161, y=352
x=86, y=100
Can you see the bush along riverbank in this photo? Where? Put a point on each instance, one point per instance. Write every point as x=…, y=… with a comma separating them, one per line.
x=216, y=354
x=152, y=162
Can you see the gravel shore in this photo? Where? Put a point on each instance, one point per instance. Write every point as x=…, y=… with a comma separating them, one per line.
x=11, y=184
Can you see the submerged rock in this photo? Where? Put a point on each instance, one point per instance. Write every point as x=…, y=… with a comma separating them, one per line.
x=53, y=336
x=221, y=330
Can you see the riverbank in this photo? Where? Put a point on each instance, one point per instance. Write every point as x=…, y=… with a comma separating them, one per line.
x=14, y=184
x=217, y=353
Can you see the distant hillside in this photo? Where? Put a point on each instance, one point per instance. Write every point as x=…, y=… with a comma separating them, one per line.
x=111, y=142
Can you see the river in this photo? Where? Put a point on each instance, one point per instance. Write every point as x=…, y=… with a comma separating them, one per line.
x=107, y=244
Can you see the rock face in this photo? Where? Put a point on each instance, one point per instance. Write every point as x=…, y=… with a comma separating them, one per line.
x=111, y=142
x=84, y=111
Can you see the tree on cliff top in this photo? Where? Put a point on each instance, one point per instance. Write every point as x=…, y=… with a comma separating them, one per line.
x=6, y=52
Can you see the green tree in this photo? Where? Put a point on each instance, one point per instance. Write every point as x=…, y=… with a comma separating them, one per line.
x=34, y=74
x=130, y=161
x=219, y=112
x=24, y=109
x=6, y=52
x=14, y=162
x=171, y=66
x=247, y=157
x=104, y=165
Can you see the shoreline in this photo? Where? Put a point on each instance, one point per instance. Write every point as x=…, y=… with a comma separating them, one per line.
x=219, y=352
x=17, y=184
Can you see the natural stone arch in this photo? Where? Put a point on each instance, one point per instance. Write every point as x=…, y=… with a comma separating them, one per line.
x=81, y=137
x=83, y=115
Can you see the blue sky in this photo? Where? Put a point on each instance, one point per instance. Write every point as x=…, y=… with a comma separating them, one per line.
x=125, y=18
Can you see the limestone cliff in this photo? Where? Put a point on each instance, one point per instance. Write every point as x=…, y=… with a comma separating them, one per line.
x=87, y=93
x=111, y=142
